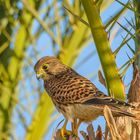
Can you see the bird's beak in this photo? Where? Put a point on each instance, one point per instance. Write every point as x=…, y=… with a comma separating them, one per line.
x=38, y=76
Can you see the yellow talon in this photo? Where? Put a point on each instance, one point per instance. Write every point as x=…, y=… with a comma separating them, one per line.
x=64, y=132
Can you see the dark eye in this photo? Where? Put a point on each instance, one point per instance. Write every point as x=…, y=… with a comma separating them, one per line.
x=45, y=67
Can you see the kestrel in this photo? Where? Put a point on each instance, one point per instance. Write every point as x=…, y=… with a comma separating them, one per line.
x=76, y=97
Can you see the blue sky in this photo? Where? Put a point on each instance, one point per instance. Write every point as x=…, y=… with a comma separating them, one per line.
x=88, y=69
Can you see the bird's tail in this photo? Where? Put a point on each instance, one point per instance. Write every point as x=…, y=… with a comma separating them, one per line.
x=132, y=112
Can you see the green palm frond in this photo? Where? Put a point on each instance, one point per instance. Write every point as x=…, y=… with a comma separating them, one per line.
x=103, y=48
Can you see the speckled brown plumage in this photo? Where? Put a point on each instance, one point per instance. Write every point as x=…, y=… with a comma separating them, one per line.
x=74, y=95
x=68, y=87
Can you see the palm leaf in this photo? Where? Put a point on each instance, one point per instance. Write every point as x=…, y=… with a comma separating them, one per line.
x=103, y=48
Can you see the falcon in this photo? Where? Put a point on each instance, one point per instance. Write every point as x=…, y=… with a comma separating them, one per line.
x=76, y=97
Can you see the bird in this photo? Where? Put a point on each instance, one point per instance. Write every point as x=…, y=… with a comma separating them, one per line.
x=73, y=95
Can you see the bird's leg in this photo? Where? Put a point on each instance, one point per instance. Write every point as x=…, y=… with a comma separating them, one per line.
x=75, y=126
x=64, y=132
x=74, y=123
x=78, y=124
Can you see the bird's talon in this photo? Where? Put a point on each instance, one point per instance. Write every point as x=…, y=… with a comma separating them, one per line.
x=65, y=133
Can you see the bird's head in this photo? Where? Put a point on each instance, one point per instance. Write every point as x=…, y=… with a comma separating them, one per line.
x=48, y=66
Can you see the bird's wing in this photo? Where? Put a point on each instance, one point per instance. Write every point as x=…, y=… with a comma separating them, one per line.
x=76, y=89
x=81, y=90
x=107, y=100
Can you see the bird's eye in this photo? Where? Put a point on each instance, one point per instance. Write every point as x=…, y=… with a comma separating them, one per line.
x=45, y=67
